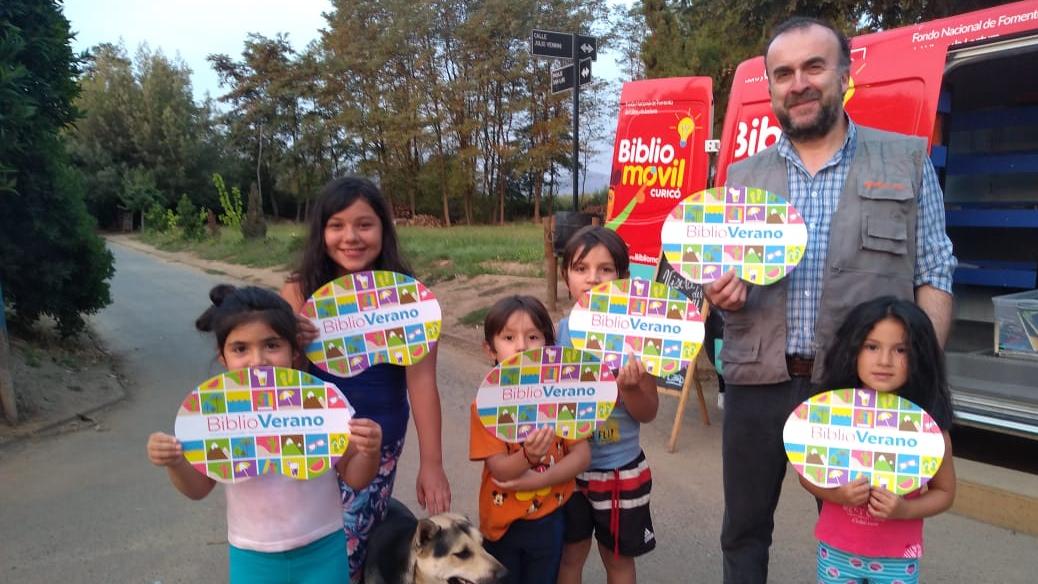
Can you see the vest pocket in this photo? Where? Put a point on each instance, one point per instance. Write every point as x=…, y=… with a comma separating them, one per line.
x=741, y=345
x=884, y=234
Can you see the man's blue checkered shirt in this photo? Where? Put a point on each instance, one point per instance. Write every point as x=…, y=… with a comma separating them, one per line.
x=816, y=198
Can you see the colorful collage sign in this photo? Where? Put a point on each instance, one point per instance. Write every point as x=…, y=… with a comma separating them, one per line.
x=656, y=323
x=837, y=436
x=565, y=389
x=756, y=233
x=249, y=422
x=368, y=318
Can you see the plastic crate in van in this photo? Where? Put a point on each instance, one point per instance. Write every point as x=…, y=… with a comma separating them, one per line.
x=1016, y=324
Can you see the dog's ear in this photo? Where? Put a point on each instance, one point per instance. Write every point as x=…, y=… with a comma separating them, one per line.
x=427, y=530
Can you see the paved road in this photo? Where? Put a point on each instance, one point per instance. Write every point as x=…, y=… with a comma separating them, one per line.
x=87, y=507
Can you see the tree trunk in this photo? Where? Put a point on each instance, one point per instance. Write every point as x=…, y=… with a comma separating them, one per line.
x=259, y=163
x=411, y=200
x=467, y=202
x=444, y=192
x=414, y=178
x=538, y=184
x=501, y=197
x=273, y=205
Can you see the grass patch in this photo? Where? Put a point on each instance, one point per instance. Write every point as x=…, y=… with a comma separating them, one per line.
x=476, y=317
x=441, y=254
x=279, y=249
x=436, y=254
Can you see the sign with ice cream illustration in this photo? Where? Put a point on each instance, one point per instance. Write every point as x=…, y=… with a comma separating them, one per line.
x=654, y=322
x=250, y=422
x=756, y=233
x=837, y=436
x=565, y=389
x=368, y=318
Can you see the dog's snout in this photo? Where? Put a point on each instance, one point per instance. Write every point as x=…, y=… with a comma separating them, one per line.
x=496, y=574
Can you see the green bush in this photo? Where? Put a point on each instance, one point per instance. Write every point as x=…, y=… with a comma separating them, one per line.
x=192, y=224
x=233, y=207
x=155, y=219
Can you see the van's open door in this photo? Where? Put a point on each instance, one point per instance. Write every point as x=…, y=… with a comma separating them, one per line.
x=659, y=158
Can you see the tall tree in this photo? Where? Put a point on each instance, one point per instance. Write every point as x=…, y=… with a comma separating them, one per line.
x=101, y=142
x=51, y=261
x=263, y=94
x=450, y=83
x=711, y=37
x=140, y=128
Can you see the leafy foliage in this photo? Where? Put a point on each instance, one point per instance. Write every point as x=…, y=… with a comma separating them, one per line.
x=711, y=37
x=190, y=221
x=141, y=127
x=231, y=202
x=51, y=261
x=155, y=218
x=439, y=101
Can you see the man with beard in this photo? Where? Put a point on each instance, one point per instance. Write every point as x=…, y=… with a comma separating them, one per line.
x=875, y=218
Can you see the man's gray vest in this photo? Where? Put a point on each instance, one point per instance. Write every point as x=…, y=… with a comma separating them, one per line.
x=872, y=247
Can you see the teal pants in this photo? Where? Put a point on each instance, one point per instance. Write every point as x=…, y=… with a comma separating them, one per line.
x=320, y=562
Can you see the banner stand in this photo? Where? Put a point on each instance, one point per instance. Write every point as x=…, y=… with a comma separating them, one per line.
x=690, y=380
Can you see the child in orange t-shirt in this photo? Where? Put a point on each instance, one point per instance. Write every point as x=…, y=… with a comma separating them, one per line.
x=523, y=486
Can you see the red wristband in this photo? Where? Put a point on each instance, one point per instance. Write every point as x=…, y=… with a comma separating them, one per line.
x=526, y=455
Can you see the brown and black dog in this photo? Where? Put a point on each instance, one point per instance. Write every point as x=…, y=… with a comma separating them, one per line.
x=443, y=549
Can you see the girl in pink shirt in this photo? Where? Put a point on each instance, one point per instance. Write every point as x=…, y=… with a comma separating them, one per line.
x=865, y=533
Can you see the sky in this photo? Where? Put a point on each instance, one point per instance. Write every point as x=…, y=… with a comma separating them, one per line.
x=194, y=29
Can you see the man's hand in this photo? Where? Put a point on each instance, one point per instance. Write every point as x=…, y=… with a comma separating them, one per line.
x=727, y=292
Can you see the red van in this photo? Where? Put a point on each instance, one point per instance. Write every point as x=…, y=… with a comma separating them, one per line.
x=969, y=84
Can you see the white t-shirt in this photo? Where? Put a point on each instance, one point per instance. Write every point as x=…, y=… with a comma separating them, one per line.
x=275, y=513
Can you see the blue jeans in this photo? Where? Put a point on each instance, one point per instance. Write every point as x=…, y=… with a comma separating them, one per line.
x=531, y=550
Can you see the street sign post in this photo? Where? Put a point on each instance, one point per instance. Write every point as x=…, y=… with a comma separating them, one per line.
x=580, y=50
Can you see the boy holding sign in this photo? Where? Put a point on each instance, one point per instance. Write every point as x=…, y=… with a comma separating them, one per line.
x=524, y=486
x=612, y=498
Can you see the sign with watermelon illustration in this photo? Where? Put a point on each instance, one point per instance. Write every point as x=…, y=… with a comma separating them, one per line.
x=837, y=436
x=565, y=389
x=249, y=422
x=654, y=322
x=368, y=318
x=756, y=233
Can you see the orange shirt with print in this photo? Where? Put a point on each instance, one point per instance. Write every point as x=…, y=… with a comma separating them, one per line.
x=499, y=507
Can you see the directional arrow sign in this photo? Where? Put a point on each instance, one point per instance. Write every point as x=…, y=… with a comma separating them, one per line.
x=546, y=43
x=587, y=47
x=562, y=78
